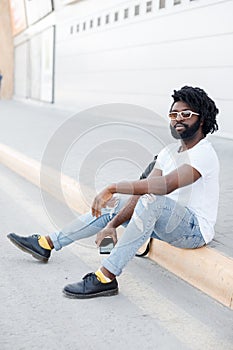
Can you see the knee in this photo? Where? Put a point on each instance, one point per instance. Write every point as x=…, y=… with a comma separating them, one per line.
x=147, y=199
x=144, y=203
x=150, y=202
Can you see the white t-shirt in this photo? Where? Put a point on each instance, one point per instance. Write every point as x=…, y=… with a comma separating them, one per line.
x=202, y=196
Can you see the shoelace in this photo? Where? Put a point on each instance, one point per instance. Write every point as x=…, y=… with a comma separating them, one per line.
x=89, y=276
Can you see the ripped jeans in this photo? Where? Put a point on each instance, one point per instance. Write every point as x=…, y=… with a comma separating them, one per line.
x=154, y=216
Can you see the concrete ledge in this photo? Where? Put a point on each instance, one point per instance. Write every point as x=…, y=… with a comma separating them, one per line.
x=204, y=268
x=60, y=186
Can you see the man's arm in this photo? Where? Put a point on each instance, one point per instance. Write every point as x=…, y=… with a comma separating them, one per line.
x=123, y=215
x=127, y=211
x=160, y=185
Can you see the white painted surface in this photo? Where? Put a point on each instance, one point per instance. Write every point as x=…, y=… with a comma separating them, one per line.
x=141, y=59
x=21, y=69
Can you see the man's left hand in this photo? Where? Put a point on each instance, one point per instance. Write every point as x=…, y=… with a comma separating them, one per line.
x=108, y=231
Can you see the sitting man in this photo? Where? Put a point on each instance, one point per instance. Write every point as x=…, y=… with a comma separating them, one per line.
x=177, y=203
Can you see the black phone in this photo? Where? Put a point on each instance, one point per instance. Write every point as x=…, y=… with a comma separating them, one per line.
x=106, y=245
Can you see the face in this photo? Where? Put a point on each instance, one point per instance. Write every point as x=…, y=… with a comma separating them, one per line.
x=184, y=129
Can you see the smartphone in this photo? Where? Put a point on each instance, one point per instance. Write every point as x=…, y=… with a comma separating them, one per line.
x=106, y=245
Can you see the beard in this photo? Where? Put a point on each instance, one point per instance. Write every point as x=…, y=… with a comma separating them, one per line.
x=188, y=133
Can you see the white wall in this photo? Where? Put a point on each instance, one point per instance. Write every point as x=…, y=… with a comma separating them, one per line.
x=141, y=59
x=21, y=70
x=34, y=66
x=138, y=60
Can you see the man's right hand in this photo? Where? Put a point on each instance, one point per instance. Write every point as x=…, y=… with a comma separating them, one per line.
x=108, y=231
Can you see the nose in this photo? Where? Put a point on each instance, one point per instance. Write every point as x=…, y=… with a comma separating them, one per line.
x=179, y=117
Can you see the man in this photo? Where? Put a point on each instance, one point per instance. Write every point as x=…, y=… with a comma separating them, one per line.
x=176, y=203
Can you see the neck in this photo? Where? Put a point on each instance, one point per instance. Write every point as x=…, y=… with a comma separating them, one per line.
x=191, y=142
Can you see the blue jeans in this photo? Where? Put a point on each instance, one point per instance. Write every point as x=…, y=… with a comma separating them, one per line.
x=154, y=216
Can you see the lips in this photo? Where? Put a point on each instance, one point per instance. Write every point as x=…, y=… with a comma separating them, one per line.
x=179, y=127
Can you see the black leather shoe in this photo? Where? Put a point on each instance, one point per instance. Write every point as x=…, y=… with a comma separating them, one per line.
x=30, y=245
x=90, y=287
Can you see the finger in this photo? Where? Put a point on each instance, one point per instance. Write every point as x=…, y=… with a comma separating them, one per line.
x=93, y=211
x=114, y=240
x=98, y=241
x=93, y=208
x=97, y=213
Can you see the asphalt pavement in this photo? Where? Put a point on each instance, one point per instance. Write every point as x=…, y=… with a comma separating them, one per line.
x=154, y=309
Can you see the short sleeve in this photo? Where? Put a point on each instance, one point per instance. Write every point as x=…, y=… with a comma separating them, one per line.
x=204, y=159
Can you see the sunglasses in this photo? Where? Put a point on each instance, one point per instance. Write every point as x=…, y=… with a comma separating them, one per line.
x=182, y=114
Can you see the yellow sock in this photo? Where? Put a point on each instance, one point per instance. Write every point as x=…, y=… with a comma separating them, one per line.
x=101, y=277
x=44, y=243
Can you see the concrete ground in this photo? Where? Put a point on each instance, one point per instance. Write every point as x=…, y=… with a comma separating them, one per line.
x=154, y=309
x=104, y=144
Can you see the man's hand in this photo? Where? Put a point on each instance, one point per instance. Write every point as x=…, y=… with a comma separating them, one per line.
x=106, y=232
x=100, y=201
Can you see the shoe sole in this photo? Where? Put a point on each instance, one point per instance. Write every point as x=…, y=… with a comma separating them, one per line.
x=27, y=250
x=106, y=293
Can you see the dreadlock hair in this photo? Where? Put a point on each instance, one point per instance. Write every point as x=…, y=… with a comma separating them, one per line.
x=201, y=103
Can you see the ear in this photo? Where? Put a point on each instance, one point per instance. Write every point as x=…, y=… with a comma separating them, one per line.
x=202, y=121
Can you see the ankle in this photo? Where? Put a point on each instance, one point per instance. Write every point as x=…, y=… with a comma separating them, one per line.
x=49, y=242
x=107, y=273
x=45, y=242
